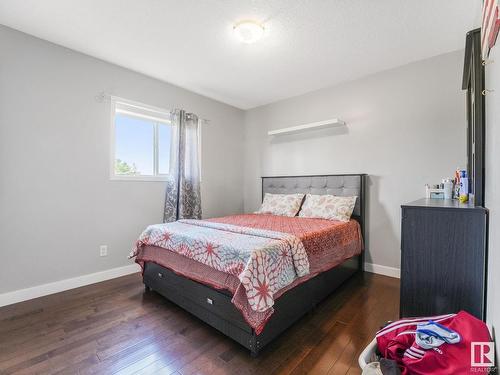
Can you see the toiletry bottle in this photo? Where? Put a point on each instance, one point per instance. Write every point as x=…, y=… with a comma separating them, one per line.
x=464, y=186
x=456, y=190
x=448, y=188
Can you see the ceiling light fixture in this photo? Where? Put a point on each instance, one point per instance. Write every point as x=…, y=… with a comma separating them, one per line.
x=248, y=31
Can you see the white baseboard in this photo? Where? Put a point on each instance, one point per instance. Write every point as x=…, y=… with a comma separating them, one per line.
x=75, y=282
x=62, y=285
x=383, y=270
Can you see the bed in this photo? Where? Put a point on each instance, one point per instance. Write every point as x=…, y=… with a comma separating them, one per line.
x=216, y=296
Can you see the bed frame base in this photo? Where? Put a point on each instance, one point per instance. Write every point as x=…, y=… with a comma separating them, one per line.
x=215, y=308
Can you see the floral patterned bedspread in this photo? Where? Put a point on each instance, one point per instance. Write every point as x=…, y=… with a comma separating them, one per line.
x=264, y=261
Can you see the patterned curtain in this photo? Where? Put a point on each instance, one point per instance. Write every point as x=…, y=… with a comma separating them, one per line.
x=182, y=197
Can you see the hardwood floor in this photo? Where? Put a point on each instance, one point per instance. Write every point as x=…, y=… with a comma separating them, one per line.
x=114, y=327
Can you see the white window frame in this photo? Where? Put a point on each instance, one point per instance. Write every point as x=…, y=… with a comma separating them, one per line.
x=162, y=118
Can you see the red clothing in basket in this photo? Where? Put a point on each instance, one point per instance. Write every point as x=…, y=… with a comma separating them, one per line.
x=397, y=341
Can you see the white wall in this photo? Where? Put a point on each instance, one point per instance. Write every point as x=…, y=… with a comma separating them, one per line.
x=492, y=157
x=406, y=127
x=57, y=204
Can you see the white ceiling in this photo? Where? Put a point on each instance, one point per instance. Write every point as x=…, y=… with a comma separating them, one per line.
x=309, y=44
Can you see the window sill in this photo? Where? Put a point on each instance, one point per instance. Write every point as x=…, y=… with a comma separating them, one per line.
x=139, y=178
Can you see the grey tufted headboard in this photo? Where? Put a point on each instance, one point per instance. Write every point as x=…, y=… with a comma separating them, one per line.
x=343, y=185
x=336, y=184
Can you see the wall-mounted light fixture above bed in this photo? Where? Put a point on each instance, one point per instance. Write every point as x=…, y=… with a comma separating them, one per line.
x=334, y=122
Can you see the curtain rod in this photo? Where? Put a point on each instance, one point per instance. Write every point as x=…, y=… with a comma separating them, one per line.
x=101, y=97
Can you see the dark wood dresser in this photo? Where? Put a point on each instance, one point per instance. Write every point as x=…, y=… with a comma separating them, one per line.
x=443, y=258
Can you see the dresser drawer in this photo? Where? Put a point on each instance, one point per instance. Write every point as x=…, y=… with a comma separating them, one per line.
x=181, y=290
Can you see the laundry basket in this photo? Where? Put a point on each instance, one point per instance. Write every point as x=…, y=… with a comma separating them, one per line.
x=368, y=354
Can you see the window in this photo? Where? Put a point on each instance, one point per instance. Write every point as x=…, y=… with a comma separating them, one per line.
x=141, y=142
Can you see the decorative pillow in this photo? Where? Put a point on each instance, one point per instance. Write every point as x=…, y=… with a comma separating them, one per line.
x=329, y=207
x=281, y=204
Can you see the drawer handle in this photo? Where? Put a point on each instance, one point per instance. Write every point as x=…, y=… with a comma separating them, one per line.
x=160, y=275
x=210, y=301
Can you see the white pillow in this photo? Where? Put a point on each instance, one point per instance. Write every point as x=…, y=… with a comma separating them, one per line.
x=281, y=204
x=329, y=207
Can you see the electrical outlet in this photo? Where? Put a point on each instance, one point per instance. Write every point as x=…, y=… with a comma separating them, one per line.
x=103, y=250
